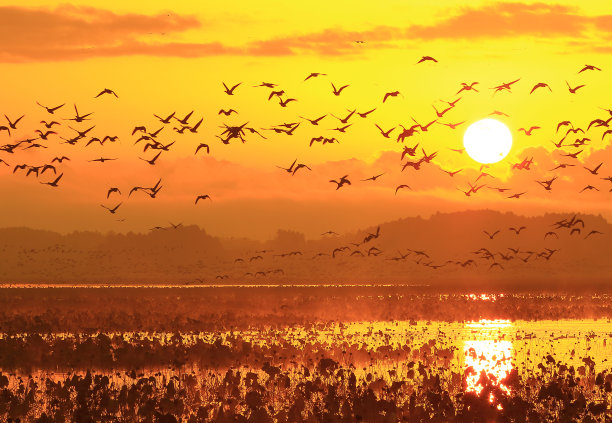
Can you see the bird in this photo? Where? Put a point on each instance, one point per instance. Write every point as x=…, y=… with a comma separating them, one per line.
x=491, y=236
x=528, y=131
x=265, y=84
x=551, y=233
x=547, y=184
x=60, y=159
x=111, y=190
x=230, y=91
x=314, y=75
x=400, y=187
x=152, y=161
x=329, y=233
x=594, y=170
x=182, y=121
x=373, y=178
x=111, y=210
x=384, y=133
x=540, y=85
x=54, y=182
x=51, y=110
x=594, y=232
x=498, y=113
x=314, y=121
x=341, y=182
x=467, y=87
x=165, y=120
x=452, y=125
x=588, y=67
x=202, y=145
x=517, y=195
x=227, y=112
x=202, y=197
x=341, y=129
x=451, y=173
x=589, y=188
x=441, y=114
x=13, y=125
x=427, y=58
x=339, y=90
x=573, y=90
x=390, y=94
x=517, y=230
x=346, y=119
x=284, y=103
x=298, y=167
x=43, y=135
x=365, y=114
x=288, y=169
x=107, y=91
x=102, y=160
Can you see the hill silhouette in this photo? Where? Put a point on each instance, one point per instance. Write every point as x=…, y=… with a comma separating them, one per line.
x=446, y=249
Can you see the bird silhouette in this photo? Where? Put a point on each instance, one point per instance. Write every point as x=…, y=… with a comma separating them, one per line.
x=384, y=133
x=111, y=210
x=13, y=125
x=517, y=195
x=288, y=169
x=60, y=159
x=373, y=178
x=594, y=170
x=107, y=91
x=547, y=184
x=491, y=236
x=427, y=58
x=528, y=131
x=111, y=190
x=202, y=197
x=153, y=160
x=50, y=110
x=284, y=103
x=339, y=90
x=390, y=94
x=540, y=85
x=227, y=112
x=314, y=75
x=400, y=187
x=467, y=87
x=165, y=120
x=341, y=182
x=202, y=145
x=314, y=121
x=365, y=114
x=54, y=182
x=230, y=91
x=573, y=90
x=588, y=67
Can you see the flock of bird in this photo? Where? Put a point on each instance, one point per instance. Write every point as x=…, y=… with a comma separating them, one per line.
x=414, y=156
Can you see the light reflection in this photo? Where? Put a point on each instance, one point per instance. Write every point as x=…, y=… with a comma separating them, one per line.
x=487, y=360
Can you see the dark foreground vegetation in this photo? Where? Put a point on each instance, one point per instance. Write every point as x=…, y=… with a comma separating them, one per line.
x=362, y=354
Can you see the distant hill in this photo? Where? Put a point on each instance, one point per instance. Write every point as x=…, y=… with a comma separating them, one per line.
x=447, y=249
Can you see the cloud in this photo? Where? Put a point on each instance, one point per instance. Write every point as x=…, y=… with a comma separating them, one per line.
x=76, y=32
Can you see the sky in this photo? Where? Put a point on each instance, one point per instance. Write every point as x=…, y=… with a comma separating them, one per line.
x=164, y=57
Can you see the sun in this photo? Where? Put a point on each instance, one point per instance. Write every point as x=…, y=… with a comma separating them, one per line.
x=487, y=141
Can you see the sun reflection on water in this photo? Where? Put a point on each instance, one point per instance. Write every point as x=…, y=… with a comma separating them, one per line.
x=488, y=359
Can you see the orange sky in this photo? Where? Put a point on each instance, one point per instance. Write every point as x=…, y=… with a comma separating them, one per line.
x=162, y=58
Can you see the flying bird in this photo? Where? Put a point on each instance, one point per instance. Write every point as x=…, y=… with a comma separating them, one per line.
x=341, y=182
x=339, y=90
x=540, y=85
x=53, y=183
x=230, y=91
x=51, y=110
x=202, y=197
x=111, y=210
x=573, y=90
x=107, y=91
x=427, y=58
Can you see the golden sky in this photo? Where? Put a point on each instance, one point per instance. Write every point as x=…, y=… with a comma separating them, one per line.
x=163, y=57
